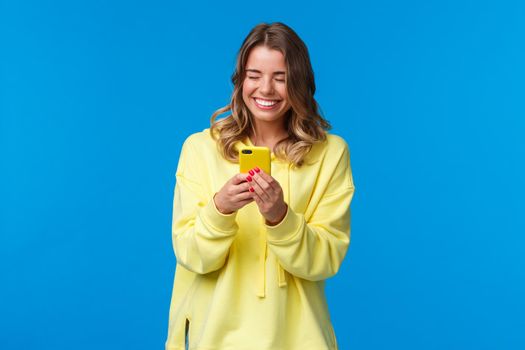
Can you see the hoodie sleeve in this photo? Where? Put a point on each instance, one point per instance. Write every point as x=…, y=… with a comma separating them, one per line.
x=314, y=250
x=201, y=235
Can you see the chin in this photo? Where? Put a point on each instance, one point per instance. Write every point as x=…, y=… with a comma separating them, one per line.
x=267, y=118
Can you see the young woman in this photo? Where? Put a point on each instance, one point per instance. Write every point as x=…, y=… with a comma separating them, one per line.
x=253, y=250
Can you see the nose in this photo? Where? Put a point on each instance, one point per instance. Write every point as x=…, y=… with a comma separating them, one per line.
x=266, y=86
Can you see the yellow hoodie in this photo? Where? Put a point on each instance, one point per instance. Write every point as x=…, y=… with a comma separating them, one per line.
x=241, y=284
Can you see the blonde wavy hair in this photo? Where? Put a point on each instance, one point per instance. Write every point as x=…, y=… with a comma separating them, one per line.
x=304, y=123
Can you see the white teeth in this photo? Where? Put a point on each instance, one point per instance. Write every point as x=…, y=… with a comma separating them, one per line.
x=265, y=103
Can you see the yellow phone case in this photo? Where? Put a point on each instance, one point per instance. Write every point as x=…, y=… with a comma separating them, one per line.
x=252, y=156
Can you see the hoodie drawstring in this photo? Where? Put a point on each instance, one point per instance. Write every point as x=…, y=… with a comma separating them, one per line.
x=281, y=273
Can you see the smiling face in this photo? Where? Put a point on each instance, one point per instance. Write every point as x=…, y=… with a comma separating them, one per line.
x=264, y=87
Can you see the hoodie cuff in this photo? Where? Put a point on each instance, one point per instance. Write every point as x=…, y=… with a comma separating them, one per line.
x=221, y=222
x=287, y=229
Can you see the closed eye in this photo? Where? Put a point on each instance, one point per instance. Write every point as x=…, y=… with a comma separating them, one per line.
x=279, y=80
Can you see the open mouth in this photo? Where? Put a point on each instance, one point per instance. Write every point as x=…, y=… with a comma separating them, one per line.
x=266, y=104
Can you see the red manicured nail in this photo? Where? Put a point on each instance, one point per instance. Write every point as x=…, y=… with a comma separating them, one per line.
x=257, y=169
x=249, y=178
x=251, y=172
x=251, y=189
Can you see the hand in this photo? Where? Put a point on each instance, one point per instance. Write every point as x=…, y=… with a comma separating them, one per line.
x=268, y=195
x=233, y=195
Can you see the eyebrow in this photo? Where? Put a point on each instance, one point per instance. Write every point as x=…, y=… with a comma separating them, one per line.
x=258, y=71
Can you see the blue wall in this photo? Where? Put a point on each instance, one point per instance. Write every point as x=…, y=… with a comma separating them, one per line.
x=96, y=98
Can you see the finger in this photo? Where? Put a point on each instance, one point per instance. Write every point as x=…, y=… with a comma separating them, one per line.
x=267, y=177
x=257, y=198
x=238, y=178
x=243, y=203
x=243, y=196
x=260, y=192
x=265, y=186
x=246, y=186
x=241, y=183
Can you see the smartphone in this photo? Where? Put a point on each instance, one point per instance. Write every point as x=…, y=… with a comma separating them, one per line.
x=252, y=156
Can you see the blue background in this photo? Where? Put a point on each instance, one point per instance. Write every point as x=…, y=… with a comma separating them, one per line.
x=97, y=97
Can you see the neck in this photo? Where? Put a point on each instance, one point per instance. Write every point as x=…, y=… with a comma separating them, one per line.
x=266, y=132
